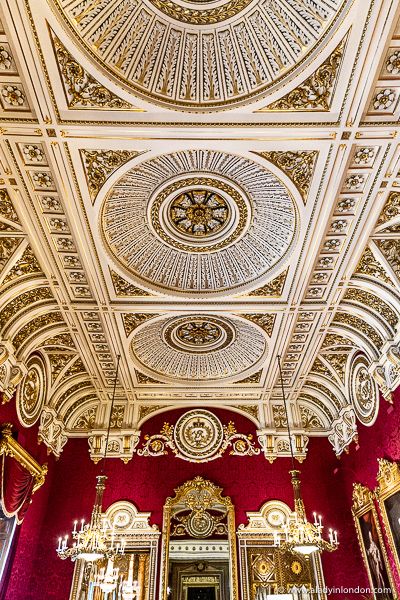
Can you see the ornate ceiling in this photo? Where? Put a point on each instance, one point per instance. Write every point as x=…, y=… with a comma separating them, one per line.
x=201, y=55
x=199, y=187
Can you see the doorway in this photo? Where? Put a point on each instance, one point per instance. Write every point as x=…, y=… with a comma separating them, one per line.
x=201, y=593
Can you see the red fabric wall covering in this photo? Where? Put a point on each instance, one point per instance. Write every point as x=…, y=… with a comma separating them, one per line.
x=250, y=481
x=382, y=440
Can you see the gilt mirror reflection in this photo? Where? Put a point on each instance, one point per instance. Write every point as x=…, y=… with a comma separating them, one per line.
x=199, y=544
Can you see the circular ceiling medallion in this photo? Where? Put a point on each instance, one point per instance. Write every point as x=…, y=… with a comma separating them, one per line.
x=202, y=54
x=198, y=334
x=198, y=348
x=199, y=222
x=198, y=435
x=199, y=214
x=31, y=393
x=364, y=392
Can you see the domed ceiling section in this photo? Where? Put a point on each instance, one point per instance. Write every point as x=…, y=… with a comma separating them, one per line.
x=199, y=222
x=199, y=347
x=193, y=54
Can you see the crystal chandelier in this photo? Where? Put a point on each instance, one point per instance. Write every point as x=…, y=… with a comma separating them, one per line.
x=97, y=539
x=300, y=535
x=109, y=582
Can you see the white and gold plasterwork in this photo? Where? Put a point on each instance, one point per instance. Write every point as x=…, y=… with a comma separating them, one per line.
x=199, y=190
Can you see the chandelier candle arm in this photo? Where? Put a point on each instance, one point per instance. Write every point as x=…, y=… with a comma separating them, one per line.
x=300, y=535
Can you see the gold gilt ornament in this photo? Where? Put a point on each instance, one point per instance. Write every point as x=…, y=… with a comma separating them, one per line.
x=266, y=322
x=373, y=302
x=31, y=393
x=10, y=447
x=124, y=288
x=24, y=300
x=201, y=16
x=82, y=89
x=199, y=333
x=200, y=61
x=142, y=378
x=255, y=378
x=316, y=92
x=100, y=164
x=369, y=265
x=391, y=210
x=7, y=210
x=298, y=166
x=198, y=436
x=35, y=325
x=338, y=362
x=296, y=567
x=360, y=326
x=391, y=251
x=199, y=212
x=133, y=320
x=309, y=420
x=273, y=289
x=26, y=265
x=8, y=245
x=202, y=207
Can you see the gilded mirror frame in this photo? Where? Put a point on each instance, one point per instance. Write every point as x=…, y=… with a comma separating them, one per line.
x=182, y=492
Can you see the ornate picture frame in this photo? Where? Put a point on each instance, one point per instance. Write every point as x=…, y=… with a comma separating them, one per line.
x=371, y=543
x=388, y=495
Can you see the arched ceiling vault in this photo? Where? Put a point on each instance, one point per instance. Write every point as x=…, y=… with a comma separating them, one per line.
x=199, y=188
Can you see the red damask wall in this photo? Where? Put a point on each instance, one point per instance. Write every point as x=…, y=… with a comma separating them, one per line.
x=250, y=481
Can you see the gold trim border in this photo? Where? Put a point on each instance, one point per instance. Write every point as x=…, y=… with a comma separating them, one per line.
x=358, y=510
x=386, y=488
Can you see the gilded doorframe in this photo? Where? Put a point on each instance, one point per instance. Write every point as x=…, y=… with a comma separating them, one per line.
x=198, y=483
